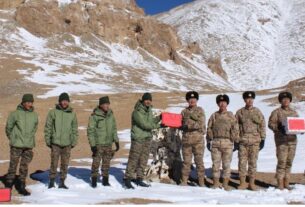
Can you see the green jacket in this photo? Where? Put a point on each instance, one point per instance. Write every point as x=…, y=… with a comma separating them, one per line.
x=102, y=128
x=61, y=127
x=143, y=123
x=21, y=128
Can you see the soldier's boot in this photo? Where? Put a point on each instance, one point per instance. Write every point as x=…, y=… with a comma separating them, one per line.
x=243, y=184
x=201, y=182
x=216, y=183
x=52, y=183
x=23, y=191
x=225, y=184
x=9, y=184
x=62, y=184
x=127, y=183
x=184, y=181
x=280, y=183
x=252, y=185
x=93, y=182
x=140, y=182
x=286, y=184
x=105, y=181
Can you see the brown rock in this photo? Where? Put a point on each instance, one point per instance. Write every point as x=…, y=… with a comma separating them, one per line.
x=9, y=4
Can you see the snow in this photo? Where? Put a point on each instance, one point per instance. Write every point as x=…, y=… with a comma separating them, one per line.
x=258, y=41
x=80, y=191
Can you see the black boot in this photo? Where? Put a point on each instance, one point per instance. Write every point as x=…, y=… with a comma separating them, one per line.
x=62, y=184
x=52, y=183
x=23, y=191
x=8, y=184
x=140, y=182
x=105, y=181
x=127, y=183
x=94, y=182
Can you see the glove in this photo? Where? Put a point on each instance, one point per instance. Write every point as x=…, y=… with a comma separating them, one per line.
x=236, y=146
x=282, y=129
x=94, y=149
x=262, y=144
x=184, y=127
x=117, y=145
x=209, y=146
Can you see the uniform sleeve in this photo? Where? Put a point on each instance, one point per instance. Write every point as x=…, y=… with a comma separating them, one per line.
x=140, y=121
x=48, y=128
x=74, y=131
x=234, y=130
x=262, y=126
x=238, y=119
x=36, y=124
x=210, y=135
x=273, y=121
x=10, y=125
x=115, y=131
x=91, y=131
x=197, y=121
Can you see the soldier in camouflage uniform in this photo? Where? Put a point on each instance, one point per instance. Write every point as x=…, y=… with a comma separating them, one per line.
x=143, y=122
x=21, y=128
x=222, y=132
x=285, y=144
x=102, y=133
x=61, y=135
x=194, y=129
x=252, y=133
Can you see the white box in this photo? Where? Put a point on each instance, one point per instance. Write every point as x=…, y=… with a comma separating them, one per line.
x=294, y=125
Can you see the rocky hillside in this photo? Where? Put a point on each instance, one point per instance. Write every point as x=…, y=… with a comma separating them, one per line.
x=94, y=46
x=259, y=44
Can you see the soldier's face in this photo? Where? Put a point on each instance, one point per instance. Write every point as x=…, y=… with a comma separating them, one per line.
x=105, y=107
x=249, y=101
x=192, y=102
x=27, y=105
x=147, y=103
x=285, y=102
x=64, y=104
x=222, y=105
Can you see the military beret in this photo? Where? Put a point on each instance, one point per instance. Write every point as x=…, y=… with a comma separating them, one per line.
x=222, y=97
x=283, y=95
x=192, y=94
x=249, y=94
x=104, y=100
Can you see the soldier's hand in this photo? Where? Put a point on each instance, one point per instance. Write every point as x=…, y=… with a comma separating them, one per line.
x=117, y=145
x=262, y=144
x=236, y=146
x=209, y=146
x=49, y=145
x=184, y=127
x=281, y=128
x=94, y=149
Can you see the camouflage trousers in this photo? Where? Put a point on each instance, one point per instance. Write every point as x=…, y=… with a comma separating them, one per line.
x=25, y=156
x=221, y=156
x=285, y=154
x=104, y=154
x=248, y=155
x=188, y=150
x=62, y=153
x=137, y=160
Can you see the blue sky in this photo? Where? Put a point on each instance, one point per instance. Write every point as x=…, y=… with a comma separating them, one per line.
x=157, y=6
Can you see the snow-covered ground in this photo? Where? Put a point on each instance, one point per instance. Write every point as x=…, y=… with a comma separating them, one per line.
x=80, y=191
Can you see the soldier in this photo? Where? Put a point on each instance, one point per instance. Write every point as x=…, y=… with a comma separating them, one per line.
x=194, y=129
x=102, y=133
x=61, y=134
x=221, y=134
x=285, y=144
x=252, y=133
x=142, y=123
x=21, y=128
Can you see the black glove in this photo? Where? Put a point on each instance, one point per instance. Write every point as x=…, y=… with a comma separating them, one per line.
x=184, y=127
x=236, y=146
x=117, y=145
x=282, y=129
x=94, y=150
x=209, y=146
x=261, y=144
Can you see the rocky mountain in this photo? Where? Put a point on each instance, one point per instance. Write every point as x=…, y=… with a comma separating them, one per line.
x=260, y=44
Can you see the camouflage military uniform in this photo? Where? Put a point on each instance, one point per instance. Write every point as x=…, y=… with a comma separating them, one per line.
x=26, y=155
x=222, y=133
x=252, y=130
x=104, y=154
x=285, y=144
x=193, y=142
x=56, y=153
